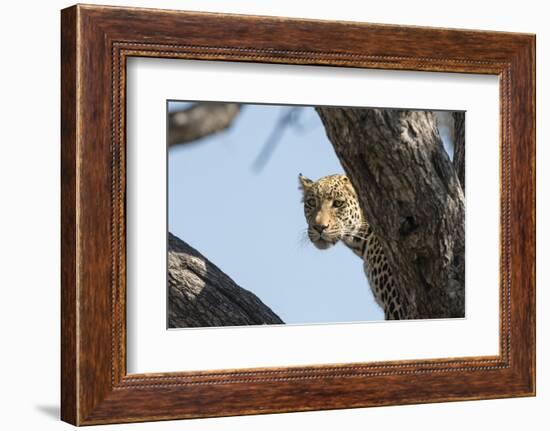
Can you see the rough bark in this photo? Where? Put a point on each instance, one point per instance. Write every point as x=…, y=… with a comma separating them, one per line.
x=410, y=193
x=459, y=157
x=200, y=120
x=201, y=295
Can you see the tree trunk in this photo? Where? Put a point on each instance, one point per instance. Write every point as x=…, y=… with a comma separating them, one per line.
x=201, y=295
x=411, y=195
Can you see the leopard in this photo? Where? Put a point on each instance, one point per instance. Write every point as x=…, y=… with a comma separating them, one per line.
x=333, y=214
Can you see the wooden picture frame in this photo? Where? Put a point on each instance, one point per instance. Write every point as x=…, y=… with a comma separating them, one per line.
x=96, y=41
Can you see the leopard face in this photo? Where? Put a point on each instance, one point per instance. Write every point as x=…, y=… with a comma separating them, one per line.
x=331, y=209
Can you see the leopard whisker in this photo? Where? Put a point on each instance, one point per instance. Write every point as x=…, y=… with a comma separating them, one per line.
x=303, y=238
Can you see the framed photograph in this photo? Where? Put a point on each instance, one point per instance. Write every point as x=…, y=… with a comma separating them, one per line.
x=264, y=215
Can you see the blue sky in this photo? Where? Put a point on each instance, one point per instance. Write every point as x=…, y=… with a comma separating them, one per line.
x=251, y=224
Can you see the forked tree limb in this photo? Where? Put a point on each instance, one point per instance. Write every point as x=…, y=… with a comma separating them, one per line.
x=410, y=193
x=200, y=120
x=201, y=295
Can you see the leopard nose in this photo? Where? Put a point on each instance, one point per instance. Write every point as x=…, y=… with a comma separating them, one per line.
x=320, y=227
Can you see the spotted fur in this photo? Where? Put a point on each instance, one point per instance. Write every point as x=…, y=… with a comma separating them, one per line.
x=333, y=214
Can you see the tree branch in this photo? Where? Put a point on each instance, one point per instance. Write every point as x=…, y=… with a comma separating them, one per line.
x=200, y=120
x=460, y=147
x=410, y=193
x=200, y=294
x=288, y=118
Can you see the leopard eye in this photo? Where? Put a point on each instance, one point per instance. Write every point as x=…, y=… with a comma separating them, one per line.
x=337, y=203
x=311, y=202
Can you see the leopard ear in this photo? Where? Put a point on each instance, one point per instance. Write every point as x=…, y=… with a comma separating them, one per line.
x=304, y=183
x=348, y=184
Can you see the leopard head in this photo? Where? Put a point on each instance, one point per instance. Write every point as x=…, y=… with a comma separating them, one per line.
x=331, y=209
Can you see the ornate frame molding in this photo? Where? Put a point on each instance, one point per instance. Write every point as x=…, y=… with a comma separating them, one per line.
x=96, y=41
